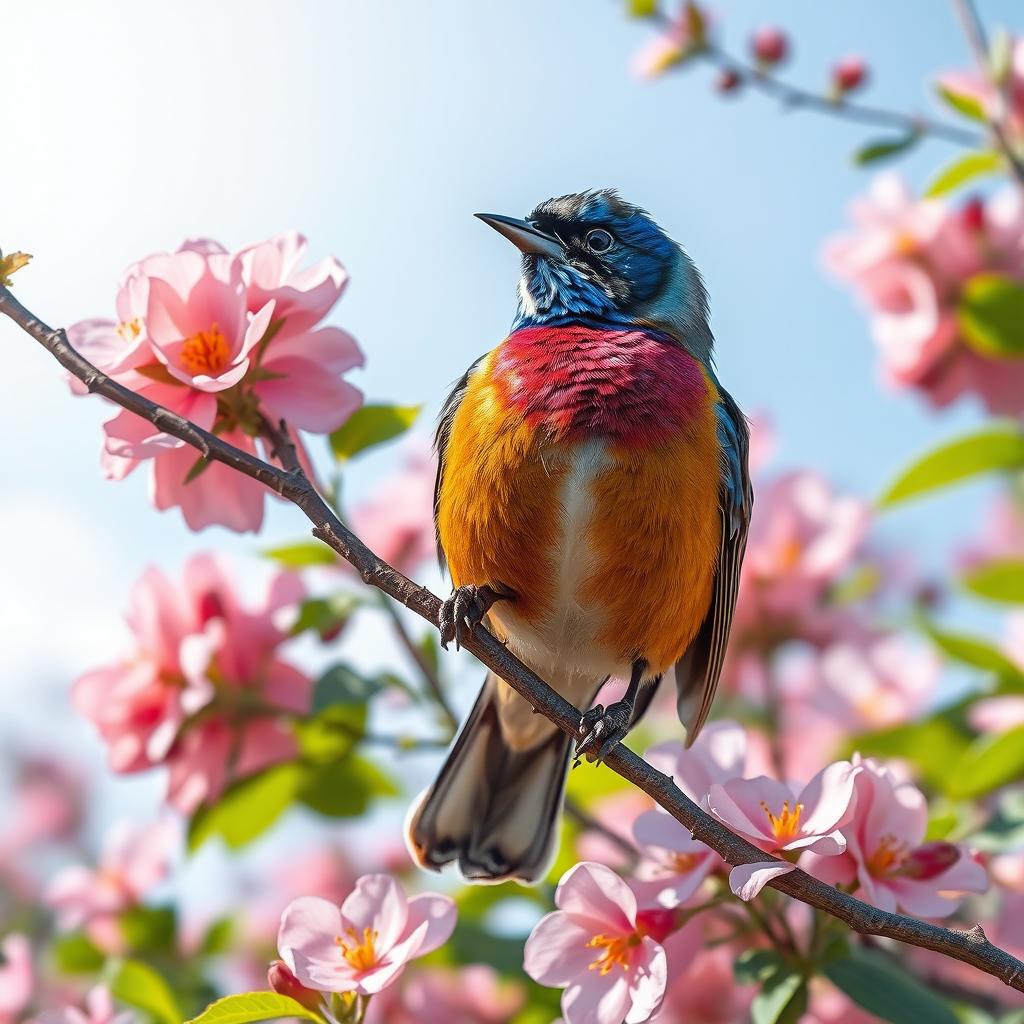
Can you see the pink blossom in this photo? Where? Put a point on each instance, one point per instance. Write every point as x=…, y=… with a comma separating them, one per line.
x=908, y=260
x=17, y=977
x=1001, y=534
x=364, y=945
x=719, y=754
x=775, y=818
x=599, y=949
x=704, y=991
x=196, y=647
x=133, y=861
x=223, y=340
x=397, y=520
x=887, y=856
x=46, y=807
x=99, y=1009
x=616, y=813
x=997, y=714
x=673, y=864
x=471, y=995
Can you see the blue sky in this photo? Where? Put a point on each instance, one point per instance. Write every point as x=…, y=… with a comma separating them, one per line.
x=378, y=129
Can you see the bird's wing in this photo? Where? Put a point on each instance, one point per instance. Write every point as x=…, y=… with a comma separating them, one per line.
x=441, y=438
x=698, y=670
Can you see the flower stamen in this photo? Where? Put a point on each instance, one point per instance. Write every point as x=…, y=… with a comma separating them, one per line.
x=615, y=952
x=205, y=352
x=786, y=824
x=359, y=953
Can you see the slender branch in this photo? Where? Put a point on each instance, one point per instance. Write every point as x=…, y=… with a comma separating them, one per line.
x=974, y=30
x=971, y=947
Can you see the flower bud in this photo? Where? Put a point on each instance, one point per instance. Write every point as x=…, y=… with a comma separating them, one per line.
x=284, y=983
x=849, y=74
x=973, y=214
x=657, y=922
x=727, y=81
x=930, y=860
x=769, y=46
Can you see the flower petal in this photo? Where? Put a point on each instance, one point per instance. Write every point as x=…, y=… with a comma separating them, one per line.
x=747, y=880
x=595, y=892
x=556, y=952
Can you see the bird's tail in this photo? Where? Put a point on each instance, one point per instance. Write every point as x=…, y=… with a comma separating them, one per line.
x=493, y=809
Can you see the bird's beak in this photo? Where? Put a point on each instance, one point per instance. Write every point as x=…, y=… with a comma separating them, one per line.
x=524, y=236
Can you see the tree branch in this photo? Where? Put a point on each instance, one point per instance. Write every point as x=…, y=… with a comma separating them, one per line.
x=290, y=482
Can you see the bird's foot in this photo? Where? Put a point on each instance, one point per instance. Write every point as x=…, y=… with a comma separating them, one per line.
x=464, y=610
x=602, y=728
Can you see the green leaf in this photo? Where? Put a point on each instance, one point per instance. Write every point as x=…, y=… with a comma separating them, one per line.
x=248, y=808
x=991, y=316
x=341, y=684
x=975, y=653
x=371, y=425
x=302, y=553
x=999, y=448
x=1005, y=830
x=76, y=953
x=199, y=466
x=1000, y=56
x=998, y=581
x=989, y=762
x=326, y=615
x=346, y=788
x=962, y=170
x=782, y=999
x=962, y=104
x=332, y=734
x=149, y=929
x=874, y=982
x=218, y=937
x=882, y=149
x=252, y=1006
x=138, y=985
x=641, y=8
x=753, y=966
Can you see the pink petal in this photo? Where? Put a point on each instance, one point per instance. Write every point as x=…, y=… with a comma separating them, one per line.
x=556, y=952
x=307, y=396
x=747, y=880
x=740, y=804
x=826, y=798
x=388, y=969
x=659, y=829
x=595, y=892
x=597, y=999
x=331, y=348
x=379, y=904
x=309, y=927
x=650, y=975
x=438, y=913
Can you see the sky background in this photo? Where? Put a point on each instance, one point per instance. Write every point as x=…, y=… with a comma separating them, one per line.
x=378, y=129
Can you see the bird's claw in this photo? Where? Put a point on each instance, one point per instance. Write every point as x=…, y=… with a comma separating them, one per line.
x=463, y=611
x=601, y=729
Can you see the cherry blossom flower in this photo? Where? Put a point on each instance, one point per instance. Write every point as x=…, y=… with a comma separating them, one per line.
x=196, y=649
x=224, y=340
x=46, y=806
x=99, y=1009
x=17, y=977
x=673, y=864
x=776, y=818
x=363, y=945
x=719, y=754
x=704, y=990
x=908, y=260
x=471, y=995
x=133, y=861
x=887, y=856
x=997, y=714
x=606, y=955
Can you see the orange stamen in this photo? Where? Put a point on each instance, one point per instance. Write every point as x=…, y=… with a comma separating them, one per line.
x=205, y=352
x=360, y=954
x=786, y=824
x=615, y=951
x=887, y=858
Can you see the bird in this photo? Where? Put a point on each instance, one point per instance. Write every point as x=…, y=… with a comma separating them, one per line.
x=591, y=505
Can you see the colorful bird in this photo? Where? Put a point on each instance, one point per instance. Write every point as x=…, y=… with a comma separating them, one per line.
x=592, y=505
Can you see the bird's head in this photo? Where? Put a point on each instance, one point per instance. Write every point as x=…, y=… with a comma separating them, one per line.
x=592, y=257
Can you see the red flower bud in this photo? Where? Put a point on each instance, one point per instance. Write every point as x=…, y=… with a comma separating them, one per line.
x=727, y=81
x=930, y=860
x=849, y=74
x=211, y=606
x=769, y=45
x=659, y=924
x=973, y=214
x=284, y=983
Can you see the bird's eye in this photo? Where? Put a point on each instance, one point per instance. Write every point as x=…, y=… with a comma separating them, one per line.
x=599, y=240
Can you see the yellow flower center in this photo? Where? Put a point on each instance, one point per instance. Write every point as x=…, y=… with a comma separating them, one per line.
x=614, y=951
x=905, y=244
x=205, y=352
x=360, y=954
x=129, y=330
x=887, y=858
x=786, y=824
x=683, y=862
x=790, y=554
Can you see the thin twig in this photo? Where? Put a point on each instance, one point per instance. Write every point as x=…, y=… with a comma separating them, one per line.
x=974, y=30
x=971, y=947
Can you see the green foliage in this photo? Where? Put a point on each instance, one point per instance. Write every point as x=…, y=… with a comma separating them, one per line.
x=991, y=315
x=641, y=8
x=344, y=789
x=875, y=983
x=149, y=929
x=883, y=149
x=370, y=426
x=248, y=808
x=966, y=105
x=138, y=985
x=754, y=966
x=1005, y=829
x=962, y=170
x=988, y=763
x=326, y=615
x=302, y=554
x=782, y=999
x=218, y=937
x=998, y=581
x=974, y=652
x=252, y=1006
x=991, y=450
x=341, y=684
x=76, y=953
